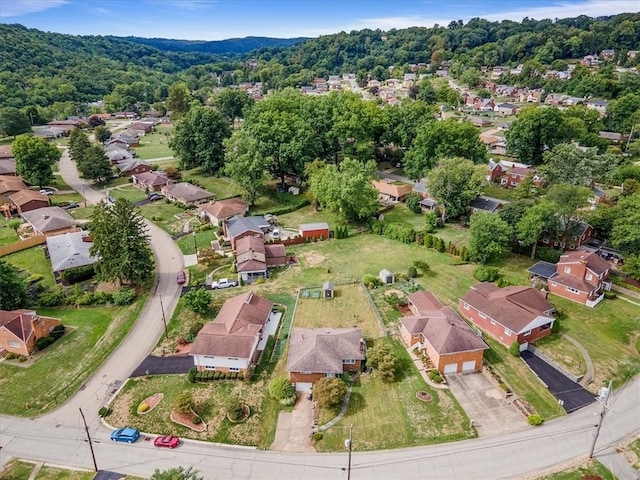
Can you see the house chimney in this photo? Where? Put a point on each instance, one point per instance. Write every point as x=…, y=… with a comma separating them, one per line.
x=544, y=293
x=362, y=345
x=45, y=216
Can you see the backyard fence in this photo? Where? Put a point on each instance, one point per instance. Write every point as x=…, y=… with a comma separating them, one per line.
x=22, y=245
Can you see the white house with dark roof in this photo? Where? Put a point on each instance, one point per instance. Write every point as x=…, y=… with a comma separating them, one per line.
x=315, y=353
x=70, y=250
x=230, y=343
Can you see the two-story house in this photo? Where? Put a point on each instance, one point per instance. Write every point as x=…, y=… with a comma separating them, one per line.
x=254, y=258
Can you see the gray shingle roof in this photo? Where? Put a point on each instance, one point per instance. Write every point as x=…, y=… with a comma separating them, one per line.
x=48, y=219
x=237, y=225
x=69, y=250
x=322, y=350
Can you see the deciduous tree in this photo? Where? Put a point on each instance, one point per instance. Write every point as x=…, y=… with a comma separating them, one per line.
x=536, y=220
x=231, y=103
x=179, y=99
x=121, y=241
x=567, y=163
x=329, y=391
x=382, y=357
x=94, y=164
x=35, y=158
x=176, y=473
x=490, y=236
x=13, y=288
x=533, y=131
x=13, y=122
x=245, y=165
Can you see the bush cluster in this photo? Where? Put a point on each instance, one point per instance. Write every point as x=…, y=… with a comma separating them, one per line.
x=124, y=296
x=59, y=295
x=341, y=232
x=78, y=274
x=210, y=375
x=486, y=274
x=371, y=281
x=435, y=376
x=534, y=419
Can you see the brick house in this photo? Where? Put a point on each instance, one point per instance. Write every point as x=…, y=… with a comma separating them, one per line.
x=217, y=212
x=152, y=181
x=516, y=174
x=254, y=258
x=19, y=330
x=391, y=191
x=230, y=342
x=315, y=353
x=578, y=235
x=509, y=314
x=50, y=221
x=438, y=331
x=186, y=193
x=10, y=184
x=28, y=200
x=133, y=166
x=580, y=276
x=238, y=227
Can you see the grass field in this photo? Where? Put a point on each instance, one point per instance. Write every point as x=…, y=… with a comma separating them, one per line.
x=34, y=261
x=588, y=469
x=61, y=368
x=21, y=470
x=155, y=144
x=349, y=308
x=7, y=234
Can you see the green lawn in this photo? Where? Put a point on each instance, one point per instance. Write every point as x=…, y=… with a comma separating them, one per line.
x=131, y=193
x=500, y=193
x=349, y=308
x=222, y=187
x=163, y=214
x=34, y=261
x=388, y=415
x=154, y=145
x=563, y=353
x=7, y=234
x=400, y=214
x=308, y=214
x=589, y=469
x=21, y=470
x=55, y=374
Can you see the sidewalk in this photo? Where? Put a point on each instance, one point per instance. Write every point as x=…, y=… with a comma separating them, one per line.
x=420, y=366
x=617, y=464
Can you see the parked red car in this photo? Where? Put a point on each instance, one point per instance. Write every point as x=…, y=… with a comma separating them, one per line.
x=168, y=441
x=181, y=277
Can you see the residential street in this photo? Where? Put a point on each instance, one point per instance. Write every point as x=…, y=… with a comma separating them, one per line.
x=59, y=438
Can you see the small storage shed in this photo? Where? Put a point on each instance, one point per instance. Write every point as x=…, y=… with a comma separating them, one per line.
x=327, y=290
x=314, y=230
x=387, y=277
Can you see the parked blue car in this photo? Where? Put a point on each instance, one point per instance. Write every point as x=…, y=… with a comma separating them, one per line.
x=126, y=434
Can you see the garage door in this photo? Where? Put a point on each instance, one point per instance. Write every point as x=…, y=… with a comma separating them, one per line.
x=451, y=368
x=469, y=366
x=303, y=386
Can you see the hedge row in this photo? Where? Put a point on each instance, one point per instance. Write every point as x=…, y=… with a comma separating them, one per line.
x=210, y=375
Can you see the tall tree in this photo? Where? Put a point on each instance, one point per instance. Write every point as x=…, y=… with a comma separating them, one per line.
x=35, y=158
x=454, y=183
x=179, y=99
x=198, y=139
x=435, y=140
x=533, y=131
x=13, y=288
x=78, y=144
x=101, y=134
x=490, y=236
x=568, y=200
x=346, y=188
x=537, y=220
x=245, y=165
x=625, y=234
x=231, y=103
x=94, y=164
x=13, y=122
x=567, y=163
x=121, y=241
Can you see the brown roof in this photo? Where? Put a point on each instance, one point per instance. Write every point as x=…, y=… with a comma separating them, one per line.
x=225, y=208
x=595, y=262
x=48, y=219
x=445, y=331
x=573, y=282
x=425, y=301
x=10, y=184
x=521, y=171
x=247, y=243
x=152, y=178
x=391, y=188
x=234, y=330
x=186, y=192
x=252, y=266
x=322, y=350
x=26, y=196
x=7, y=166
x=514, y=307
x=275, y=250
x=17, y=322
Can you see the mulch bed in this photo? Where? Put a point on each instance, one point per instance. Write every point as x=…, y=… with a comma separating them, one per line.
x=423, y=396
x=186, y=420
x=152, y=401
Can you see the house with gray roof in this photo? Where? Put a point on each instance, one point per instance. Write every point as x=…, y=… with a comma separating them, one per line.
x=438, y=332
x=186, y=193
x=315, y=353
x=486, y=204
x=237, y=227
x=69, y=250
x=133, y=166
x=50, y=221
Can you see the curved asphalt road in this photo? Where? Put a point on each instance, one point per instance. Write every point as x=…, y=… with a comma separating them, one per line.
x=59, y=437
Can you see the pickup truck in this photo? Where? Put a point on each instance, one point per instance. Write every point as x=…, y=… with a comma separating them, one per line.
x=224, y=283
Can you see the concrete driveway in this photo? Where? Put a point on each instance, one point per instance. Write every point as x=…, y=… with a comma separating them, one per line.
x=484, y=404
x=294, y=428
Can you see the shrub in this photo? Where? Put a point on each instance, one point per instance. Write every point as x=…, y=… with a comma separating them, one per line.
x=52, y=298
x=534, y=419
x=330, y=391
x=486, y=274
x=435, y=376
x=124, y=296
x=289, y=401
x=196, y=420
x=197, y=300
x=44, y=342
x=428, y=240
x=423, y=266
x=260, y=280
x=78, y=274
x=514, y=349
x=15, y=223
x=104, y=411
x=143, y=408
x=57, y=332
x=610, y=295
x=280, y=388
x=412, y=272
x=555, y=328
x=317, y=436
x=191, y=376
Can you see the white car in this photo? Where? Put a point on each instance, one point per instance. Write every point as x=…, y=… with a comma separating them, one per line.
x=224, y=283
x=46, y=192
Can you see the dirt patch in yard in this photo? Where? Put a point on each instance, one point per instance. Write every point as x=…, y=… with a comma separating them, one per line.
x=393, y=291
x=186, y=420
x=313, y=259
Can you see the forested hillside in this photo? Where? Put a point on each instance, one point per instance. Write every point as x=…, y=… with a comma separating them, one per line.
x=221, y=47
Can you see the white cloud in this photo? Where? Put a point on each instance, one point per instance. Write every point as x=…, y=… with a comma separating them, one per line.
x=15, y=8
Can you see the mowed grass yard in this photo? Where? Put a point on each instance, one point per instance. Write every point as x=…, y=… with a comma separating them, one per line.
x=50, y=377
x=349, y=308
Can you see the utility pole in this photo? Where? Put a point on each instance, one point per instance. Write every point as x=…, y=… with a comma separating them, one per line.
x=195, y=244
x=348, y=443
x=164, y=320
x=603, y=412
x=86, y=428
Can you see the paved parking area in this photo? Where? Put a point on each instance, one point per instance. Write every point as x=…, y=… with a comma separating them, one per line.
x=485, y=404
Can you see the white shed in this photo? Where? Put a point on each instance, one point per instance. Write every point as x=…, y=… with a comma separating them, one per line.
x=387, y=277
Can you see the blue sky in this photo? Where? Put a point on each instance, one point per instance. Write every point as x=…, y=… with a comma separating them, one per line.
x=222, y=19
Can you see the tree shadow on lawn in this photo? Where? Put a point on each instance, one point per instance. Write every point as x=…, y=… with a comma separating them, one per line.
x=404, y=368
x=357, y=403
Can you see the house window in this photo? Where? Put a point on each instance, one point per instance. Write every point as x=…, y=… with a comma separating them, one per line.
x=572, y=290
x=567, y=269
x=493, y=322
x=13, y=344
x=545, y=326
x=507, y=332
x=466, y=306
x=348, y=361
x=234, y=369
x=482, y=315
x=416, y=335
x=528, y=332
x=209, y=367
x=589, y=276
x=554, y=284
x=331, y=375
x=231, y=358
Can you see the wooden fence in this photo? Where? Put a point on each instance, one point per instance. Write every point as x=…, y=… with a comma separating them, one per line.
x=22, y=245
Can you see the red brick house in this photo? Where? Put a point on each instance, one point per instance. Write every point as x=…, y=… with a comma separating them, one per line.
x=254, y=258
x=28, y=200
x=517, y=174
x=151, y=180
x=582, y=277
x=186, y=193
x=391, y=191
x=230, y=342
x=218, y=212
x=10, y=184
x=508, y=314
x=239, y=226
x=315, y=353
x=19, y=330
x=438, y=331
x=314, y=230
x=581, y=232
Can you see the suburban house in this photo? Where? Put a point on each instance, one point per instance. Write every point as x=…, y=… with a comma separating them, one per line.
x=578, y=235
x=217, y=212
x=28, y=200
x=253, y=258
x=438, y=331
x=315, y=353
x=506, y=109
x=516, y=174
x=50, y=221
x=150, y=180
x=313, y=230
x=69, y=250
x=495, y=171
x=19, y=330
x=614, y=137
x=237, y=227
x=481, y=121
x=186, y=193
x=8, y=166
x=486, y=204
x=133, y=166
x=391, y=191
x=230, y=342
x=118, y=154
x=510, y=314
x=9, y=185
x=580, y=276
